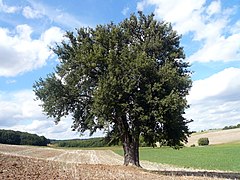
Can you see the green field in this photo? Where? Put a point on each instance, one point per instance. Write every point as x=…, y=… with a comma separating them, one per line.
x=219, y=157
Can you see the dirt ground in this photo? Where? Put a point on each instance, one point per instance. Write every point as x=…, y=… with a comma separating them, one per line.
x=27, y=162
x=107, y=157
x=216, y=136
x=17, y=167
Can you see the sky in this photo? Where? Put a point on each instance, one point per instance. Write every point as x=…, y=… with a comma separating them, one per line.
x=210, y=32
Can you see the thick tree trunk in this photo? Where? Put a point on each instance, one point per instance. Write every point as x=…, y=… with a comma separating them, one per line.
x=131, y=150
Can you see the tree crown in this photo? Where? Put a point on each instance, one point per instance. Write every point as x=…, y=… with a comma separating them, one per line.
x=125, y=78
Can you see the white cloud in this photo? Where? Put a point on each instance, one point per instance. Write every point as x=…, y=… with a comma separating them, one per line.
x=215, y=101
x=216, y=86
x=209, y=23
x=8, y=9
x=19, y=111
x=20, y=53
x=52, y=35
x=214, y=7
x=18, y=106
x=30, y=13
x=236, y=28
x=178, y=12
x=222, y=49
x=56, y=15
x=50, y=130
x=46, y=128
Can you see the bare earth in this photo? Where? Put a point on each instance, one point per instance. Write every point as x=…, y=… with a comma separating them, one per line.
x=216, y=137
x=27, y=162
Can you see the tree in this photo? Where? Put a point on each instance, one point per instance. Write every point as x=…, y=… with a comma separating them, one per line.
x=128, y=78
x=22, y=138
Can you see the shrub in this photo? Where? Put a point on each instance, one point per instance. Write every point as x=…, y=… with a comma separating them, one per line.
x=193, y=145
x=203, y=142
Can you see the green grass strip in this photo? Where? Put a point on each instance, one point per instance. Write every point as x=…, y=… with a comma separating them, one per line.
x=219, y=157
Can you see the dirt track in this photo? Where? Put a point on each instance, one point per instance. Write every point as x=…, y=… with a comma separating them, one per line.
x=26, y=162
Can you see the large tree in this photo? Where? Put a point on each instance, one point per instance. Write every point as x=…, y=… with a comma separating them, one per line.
x=128, y=78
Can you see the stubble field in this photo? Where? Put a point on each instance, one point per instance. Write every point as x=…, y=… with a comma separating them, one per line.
x=27, y=162
x=216, y=136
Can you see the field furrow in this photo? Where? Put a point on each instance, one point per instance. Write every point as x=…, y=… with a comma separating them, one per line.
x=28, y=162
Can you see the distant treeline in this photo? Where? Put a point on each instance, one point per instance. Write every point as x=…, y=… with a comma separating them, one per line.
x=231, y=127
x=22, y=138
x=92, y=142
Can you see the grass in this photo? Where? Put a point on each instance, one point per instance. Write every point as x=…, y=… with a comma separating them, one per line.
x=224, y=157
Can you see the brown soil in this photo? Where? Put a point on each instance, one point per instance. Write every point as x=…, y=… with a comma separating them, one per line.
x=16, y=167
x=26, y=162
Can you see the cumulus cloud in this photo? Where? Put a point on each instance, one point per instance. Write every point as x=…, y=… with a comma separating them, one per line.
x=217, y=86
x=209, y=23
x=19, y=111
x=20, y=53
x=182, y=13
x=215, y=101
x=220, y=49
x=18, y=106
x=8, y=9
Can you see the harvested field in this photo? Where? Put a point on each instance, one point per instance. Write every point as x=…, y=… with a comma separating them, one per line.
x=17, y=167
x=107, y=157
x=27, y=162
x=216, y=136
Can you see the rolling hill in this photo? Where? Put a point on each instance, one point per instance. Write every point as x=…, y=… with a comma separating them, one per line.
x=216, y=136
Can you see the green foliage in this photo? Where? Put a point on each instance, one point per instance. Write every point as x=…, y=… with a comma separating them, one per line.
x=9, y=137
x=231, y=127
x=92, y=142
x=128, y=78
x=144, y=143
x=22, y=138
x=203, y=141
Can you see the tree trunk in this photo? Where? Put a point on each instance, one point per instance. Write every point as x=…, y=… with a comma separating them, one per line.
x=131, y=150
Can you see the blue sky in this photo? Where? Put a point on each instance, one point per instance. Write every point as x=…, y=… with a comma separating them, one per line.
x=210, y=36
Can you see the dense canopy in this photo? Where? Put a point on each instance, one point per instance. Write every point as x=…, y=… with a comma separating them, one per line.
x=128, y=78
